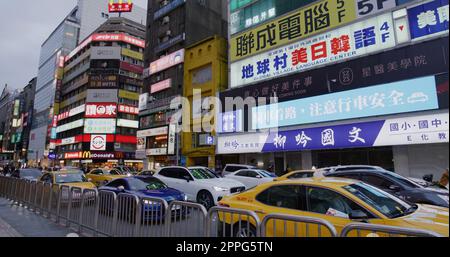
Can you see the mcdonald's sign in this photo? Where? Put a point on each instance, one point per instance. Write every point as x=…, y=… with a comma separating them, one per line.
x=120, y=6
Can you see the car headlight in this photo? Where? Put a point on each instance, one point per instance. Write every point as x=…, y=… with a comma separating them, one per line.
x=147, y=202
x=185, y=198
x=220, y=189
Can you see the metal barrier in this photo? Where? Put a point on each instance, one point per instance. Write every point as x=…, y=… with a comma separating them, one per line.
x=63, y=204
x=38, y=196
x=74, y=207
x=295, y=231
x=89, y=211
x=186, y=219
x=240, y=223
x=107, y=213
x=129, y=213
x=154, y=220
x=373, y=230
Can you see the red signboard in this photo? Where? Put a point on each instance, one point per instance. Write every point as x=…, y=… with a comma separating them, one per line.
x=73, y=155
x=120, y=7
x=128, y=109
x=131, y=67
x=101, y=110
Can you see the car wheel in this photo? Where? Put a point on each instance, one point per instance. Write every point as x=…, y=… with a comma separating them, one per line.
x=244, y=230
x=206, y=199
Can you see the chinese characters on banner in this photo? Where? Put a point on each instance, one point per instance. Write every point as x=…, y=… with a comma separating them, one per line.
x=398, y=97
x=303, y=23
x=428, y=19
x=354, y=40
x=101, y=110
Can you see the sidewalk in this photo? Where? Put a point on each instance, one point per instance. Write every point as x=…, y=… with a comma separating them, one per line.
x=16, y=221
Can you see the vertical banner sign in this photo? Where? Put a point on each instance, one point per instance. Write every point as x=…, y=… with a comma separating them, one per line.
x=171, y=139
x=428, y=19
x=303, y=23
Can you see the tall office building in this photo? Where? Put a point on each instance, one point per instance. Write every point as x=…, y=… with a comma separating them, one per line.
x=78, y=24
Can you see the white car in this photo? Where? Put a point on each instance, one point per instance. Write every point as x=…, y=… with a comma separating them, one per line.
x=252, y=177
x=199, y=184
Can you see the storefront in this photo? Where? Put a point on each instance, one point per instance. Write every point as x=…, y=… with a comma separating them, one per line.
x=156, y=147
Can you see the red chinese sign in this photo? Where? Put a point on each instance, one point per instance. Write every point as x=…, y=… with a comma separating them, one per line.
x=120, y=6
x=101, y=110
x=128, y=109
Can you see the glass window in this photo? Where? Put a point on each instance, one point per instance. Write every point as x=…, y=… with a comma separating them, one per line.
x=97, y=172
x=290, y=197
x=70, y=178
x=202, y=174
x=139, y=184
x=385, y=203
x=242, y=173
x=376, y=181
x=252, y=174
x=301, y=175
x=117, y=183
x=328, y=202
x=355, y=176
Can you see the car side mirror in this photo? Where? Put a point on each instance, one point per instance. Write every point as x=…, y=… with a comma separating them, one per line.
x=258, y=176
x=358, y=215
x=394, y=188
x=188, y=179
x=121, y=188
x=428, y=178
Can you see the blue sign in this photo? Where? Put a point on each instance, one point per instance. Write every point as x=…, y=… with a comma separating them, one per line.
x=52, y=156
x=53, y=133
x=230, y=122
x=428, y=19
x=398, y=97
x=168, y=8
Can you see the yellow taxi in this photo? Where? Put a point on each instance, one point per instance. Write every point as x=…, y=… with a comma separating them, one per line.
x=297, y=175
x=338, y=201
x=101, y=177
x=72, y=178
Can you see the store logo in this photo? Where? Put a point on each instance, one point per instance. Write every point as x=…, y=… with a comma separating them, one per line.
x=98, y=142
x=346, y=76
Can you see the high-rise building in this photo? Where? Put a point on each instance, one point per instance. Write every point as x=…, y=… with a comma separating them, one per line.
x=98, y=112
x=171, y=27
x=79, y=23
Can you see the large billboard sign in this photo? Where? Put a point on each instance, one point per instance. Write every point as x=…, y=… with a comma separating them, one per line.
x=100, y=126
x=408, y=130
x=398, y=97
x=120, y=6
x=427, y=19
x=358, y=39
x=166, y=62
x=101, y=110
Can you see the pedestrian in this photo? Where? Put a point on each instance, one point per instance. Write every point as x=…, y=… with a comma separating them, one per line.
x=444, y=179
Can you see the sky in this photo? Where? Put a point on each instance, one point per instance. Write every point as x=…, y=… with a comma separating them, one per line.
x=24, y=26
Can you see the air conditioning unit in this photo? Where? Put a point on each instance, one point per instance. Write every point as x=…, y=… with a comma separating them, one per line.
x=168, y=33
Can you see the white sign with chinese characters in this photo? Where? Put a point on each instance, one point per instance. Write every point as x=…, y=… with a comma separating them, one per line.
x=241, y=143
x=358, y=39
x=428, y=129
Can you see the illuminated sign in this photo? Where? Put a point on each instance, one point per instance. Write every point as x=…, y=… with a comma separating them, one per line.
x=128, y=109
x=120, y=6
x=128, y=123
x=101, y=110
x=398, y=97
x=160, y=86
x=98, y=142
x=72, y=112
x=70, y=126
x=153, y=132
x=167, y=61
x=73, y=155
x=97, y=155
x=100, y=126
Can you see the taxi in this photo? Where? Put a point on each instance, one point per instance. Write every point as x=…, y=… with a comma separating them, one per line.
x=101, y=177
x=71, y=178
x=338, y=201
x=298, y=174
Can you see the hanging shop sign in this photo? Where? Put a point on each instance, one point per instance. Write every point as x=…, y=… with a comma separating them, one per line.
x=428, y=19
x=171, y=139
x=98, y=142
x=358, y=39
x=398, y=97
x=412, y=130
x=153, y=132
x=100, y=126
x=101, y=110
x=123, y=108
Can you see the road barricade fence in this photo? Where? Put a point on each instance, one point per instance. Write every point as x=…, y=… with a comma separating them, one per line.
x=102, y=213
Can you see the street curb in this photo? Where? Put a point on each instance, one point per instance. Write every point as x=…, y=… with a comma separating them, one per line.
x=7, y=231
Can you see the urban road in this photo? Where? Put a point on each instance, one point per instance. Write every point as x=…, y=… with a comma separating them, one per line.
x=18, y=221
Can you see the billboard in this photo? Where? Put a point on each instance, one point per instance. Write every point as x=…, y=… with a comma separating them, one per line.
x=128, y=109
x=355, y=40
x=101, y=110
x=102, y=96
x=428, y=19
x=167, y=61
x=106, y=53
x=120, y=6
x=98, y=143
x=160, y=86
x=409, y=130
x=102, y=81
x=398, y=97
x=100, y=126
x=127, y=123
x=72, y=112
x=70, y=126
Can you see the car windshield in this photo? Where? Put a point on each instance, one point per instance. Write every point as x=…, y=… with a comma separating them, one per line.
x=266, y=174
x=112, y=172
x=202, y=174
x=404, y=181
x=385, y=203
x=138, y=184
x=70, y=178
x=30, y=173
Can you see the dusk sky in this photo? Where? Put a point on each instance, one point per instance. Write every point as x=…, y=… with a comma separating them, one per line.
x=25, y=26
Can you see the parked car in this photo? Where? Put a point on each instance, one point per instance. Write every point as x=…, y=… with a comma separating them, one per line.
x=101, y=177
x=147, y=173
x=298, y=174
x=232, y=168
x=252, y=177
x=206, y=169
x=147, y=186
x=397, y=185
x=27, y=174
x=199, y=185
x=67, y=178
x=338, y=201
x=125, y=170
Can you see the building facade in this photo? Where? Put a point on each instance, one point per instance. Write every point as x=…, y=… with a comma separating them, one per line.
x=348, y=91
x=87, y=16
x=205, y=70
x=98, y=114
x=171, y=27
